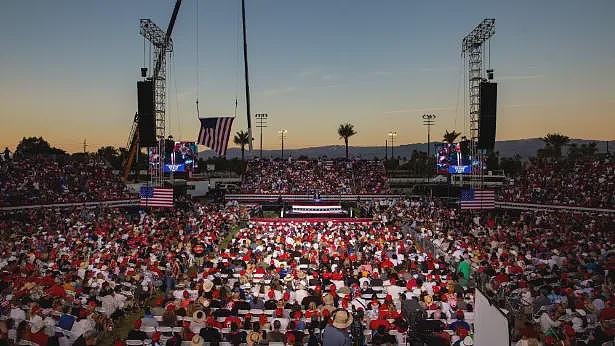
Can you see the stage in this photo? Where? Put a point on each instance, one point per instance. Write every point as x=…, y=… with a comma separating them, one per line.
x=310, y=220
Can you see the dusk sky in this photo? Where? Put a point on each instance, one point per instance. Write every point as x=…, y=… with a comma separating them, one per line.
x=68, y=69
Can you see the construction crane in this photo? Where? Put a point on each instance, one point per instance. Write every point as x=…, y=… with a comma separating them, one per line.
x=473, y=52
x=163, y=45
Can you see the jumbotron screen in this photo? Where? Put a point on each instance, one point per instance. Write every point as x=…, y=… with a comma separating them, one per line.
x=179, y=156
x=452, y=159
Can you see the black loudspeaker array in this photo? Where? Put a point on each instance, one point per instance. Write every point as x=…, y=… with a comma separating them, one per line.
x=487, y=120
x=147, y=118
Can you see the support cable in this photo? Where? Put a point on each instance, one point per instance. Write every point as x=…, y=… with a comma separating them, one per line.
x=196, y=43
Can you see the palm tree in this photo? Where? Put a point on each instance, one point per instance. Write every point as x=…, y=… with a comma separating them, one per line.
x=450, y=137
x=346, y=131
x=242, y=139
x=555, y=142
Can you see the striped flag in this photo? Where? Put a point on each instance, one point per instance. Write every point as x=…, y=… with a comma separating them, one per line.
x=477, y=199
x=215, y=133
x=156, y=197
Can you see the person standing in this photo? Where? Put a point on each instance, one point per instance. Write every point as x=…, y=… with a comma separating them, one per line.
x=357, y=328
x=464, y=269
x=335, y=334
x=198, y=251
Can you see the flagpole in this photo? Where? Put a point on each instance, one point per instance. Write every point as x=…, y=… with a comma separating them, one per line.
x=245, y=67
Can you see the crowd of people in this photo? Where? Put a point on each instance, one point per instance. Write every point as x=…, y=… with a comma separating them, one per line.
x=315, y=176
x=581, y=183
x=553, y=270
x=68, y=276
x=46, y=180
x=195, y=276
x=202, y=274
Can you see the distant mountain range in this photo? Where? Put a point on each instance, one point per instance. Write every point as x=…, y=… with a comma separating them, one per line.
x=524, y=147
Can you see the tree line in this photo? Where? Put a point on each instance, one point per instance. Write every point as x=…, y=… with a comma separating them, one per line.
x=418, y=162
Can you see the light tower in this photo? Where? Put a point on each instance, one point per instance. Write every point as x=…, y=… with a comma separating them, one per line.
x=261, y=122
x=473, y=52
x=282, y=134
x=429, y=120
x=392, y=135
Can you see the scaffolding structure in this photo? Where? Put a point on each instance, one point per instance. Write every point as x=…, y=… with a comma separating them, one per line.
x=474, y=54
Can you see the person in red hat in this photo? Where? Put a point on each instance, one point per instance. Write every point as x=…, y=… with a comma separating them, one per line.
x=156, y=339
x=381, y=321
x=606, y=331
x=136, y=333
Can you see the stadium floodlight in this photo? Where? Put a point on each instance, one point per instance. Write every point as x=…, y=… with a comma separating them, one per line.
x=282, y=134
x=392, y=135
x=261, y=122
x=429, y=120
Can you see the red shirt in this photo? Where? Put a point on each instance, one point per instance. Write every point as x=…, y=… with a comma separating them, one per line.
x=375, y=324
x=501, y=278
x=40, y=338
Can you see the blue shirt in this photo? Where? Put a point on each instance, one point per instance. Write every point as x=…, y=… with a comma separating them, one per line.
x=335, y=337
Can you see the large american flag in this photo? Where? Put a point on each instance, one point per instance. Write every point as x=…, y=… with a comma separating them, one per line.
x=477, y=199
x=156, y=197
x=215, y=133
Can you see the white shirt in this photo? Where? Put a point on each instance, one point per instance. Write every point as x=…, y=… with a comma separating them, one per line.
x=80, y=327
x=300, y=294
x=109, y=304
x=18, y=315
x=546, y=322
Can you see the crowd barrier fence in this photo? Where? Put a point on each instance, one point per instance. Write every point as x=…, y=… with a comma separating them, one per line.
x=107, y=204
x=531, y=206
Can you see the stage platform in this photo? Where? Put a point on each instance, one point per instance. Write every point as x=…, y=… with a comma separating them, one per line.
x=310, y=219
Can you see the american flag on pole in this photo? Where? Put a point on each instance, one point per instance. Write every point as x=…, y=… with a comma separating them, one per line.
x=477, y=199
x=156, y=197
x=215, y=133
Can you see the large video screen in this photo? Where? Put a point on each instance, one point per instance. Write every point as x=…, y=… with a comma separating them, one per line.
x=453, y=159
x=179, y=157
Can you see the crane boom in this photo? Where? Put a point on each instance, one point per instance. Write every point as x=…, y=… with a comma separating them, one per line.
x=481, y=33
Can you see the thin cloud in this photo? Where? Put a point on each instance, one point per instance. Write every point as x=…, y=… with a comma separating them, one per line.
x=419, y=110
x=522, y=77
x=379, y=73
x=278, y=91
x=307, y=73
x=437, y=68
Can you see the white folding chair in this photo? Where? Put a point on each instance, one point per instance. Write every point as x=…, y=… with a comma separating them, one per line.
x=134, y=342
x=149, y=330
x=256, y=311
x=165, y=330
